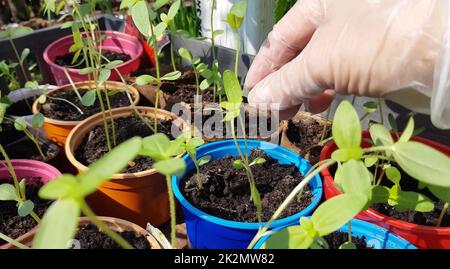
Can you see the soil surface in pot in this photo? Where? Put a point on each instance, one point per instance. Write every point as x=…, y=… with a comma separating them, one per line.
x=94, y=145
x=306, y=133
x=22, y=107
x=61, y=110
x=336, y=239
x=10, y=223
x=90, y=237
x=66, y=60
x=226, y=192
x=26, y=149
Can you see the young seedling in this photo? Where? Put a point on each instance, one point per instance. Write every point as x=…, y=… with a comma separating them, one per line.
x=169, y=19
x=429, y=166
x=59, y=224
x=197, y=66
x=191, y=148
x=163, y=152
x=235, y=18
x=7, y=70
x=233, y=110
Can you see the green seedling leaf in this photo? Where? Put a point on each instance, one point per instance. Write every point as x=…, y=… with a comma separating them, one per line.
x=419, y=131
x=406, y=200
x=89, y=98
x=144, y=80
x=38, y=120
x=327, y=221
x=408, y=132
x=354, y=177
x=238, y=164
x=371, y=107
x=23, y=185
x=217, y=33
x=159, y=4
x=8, y=193
x=21, y=31
x=112, y=93
x=31, y=84
x=127, y=4
x=194, y=143
x=155, y=147
x=204, y=85
x=393, y=123
x=159, y=29
x=173, y=10
x=423, y=163
x=393, y=174
x=113, y=64
x=380, y=135
x=172, y=76
x=236, y=15
x=346, y=127
x=258, y=161
x=25, y=208
x=139, y=14
x=370, y=161
x=348, y=245
x=67, y=25
x=42, y=99
x=62, y=187
x=103, y=170
x=233, y=89
x=104, y=75
x=185, y=54
x=380, y=195
x=87, y=70
x=343, y=155
x=204, y=160
x=20, y=124
x=293, y=237
x=440, y=192
x=24, y=54
x=172, y=167
x=58, y=225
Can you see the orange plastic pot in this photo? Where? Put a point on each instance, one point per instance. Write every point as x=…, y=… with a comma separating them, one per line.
x=138, y=197
x=58, y=130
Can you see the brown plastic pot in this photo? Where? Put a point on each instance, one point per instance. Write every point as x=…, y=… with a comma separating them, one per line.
x=115, y=224
x=58, y=130
x=138, y=197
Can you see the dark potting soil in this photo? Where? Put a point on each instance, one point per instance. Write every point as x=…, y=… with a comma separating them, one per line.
x=90, y=237
x=26, y=149
x=306, y=133
x=60, y=110
x=94, y=145
x=66, y=60
x=226, y=192
x=336, y=239
x=10, y=223
x=23, y=107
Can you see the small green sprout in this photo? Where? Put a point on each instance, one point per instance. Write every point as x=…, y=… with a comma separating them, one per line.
x=197, y=66
x=235, y=18
x=191, y=148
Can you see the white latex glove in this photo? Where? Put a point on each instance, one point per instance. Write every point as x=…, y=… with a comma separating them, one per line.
x=396, y=49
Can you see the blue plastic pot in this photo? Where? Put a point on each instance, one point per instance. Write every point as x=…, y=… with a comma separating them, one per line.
x=208, y=232
x=376, y=237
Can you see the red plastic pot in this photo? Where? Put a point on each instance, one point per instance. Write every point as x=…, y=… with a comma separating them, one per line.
x=114, y=41
x=26, y=169
x=419, y=235
x=130, y=28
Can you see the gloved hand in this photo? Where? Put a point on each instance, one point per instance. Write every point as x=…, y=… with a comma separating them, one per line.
x=399, y=50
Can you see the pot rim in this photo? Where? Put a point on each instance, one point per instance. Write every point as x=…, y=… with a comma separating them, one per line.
x=88, y=84
x=286, y=153
x=96, y=120
x=399, y=224
x=113, y=34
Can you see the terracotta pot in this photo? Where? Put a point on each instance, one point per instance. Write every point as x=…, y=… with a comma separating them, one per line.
x=419, y=235
x=287, y=143
x=29, y=168
x=58, y=130
x=115, y=224
x=138, y=197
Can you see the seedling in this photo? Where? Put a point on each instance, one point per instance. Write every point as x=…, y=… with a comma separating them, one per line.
x=7, y=70
x=197, y=66
x=191, y=148
x=169, y=19
x=235, y=18
x=60, y=222
x=360, y=187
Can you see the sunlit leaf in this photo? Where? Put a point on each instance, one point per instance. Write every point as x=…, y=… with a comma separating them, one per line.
x=346, y=127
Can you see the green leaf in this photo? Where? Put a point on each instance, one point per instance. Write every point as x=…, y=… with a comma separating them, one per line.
x=346, y=127
x=62, y=187
x=380, y=195
x=406, y=200
x=103, y=169
x=217, y=33
x=194, y=143
x=87, y=70
x=408, y=132
x=172, y=167
x=104, y=75
x=343, y=155
x=348, y=245
x=31, y=84
x=442, y=193
x=20, y=124
x=185, y=54
x=237, y=14
x=24, y=54
x=393, y=174
x=89, y=98
x=25, y=208
x=127, y=4
x=233, y=89
x=355, y=178
x=370, y=161
x=113, y=64
x=21, y=31
x=159, y=4
x=393, y=123
x=172, y=76
x=38, y=120
x=8, y=193
x=42, y=99
x=258, y=161
x=423, y=163
x=23, y=185
x=348, y=205
x=204, y=160
x=238, y=164
x=204, y=85
x=371, y=106
x=380, y=135
x=155, y=147
x=293, y=237
x=173, y=10
x=159, y=29
x=144, y=80
x=58, y=225
x=140, y=16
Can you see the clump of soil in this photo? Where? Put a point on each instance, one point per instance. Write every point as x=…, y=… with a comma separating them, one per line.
x=226, y=192
x=336, y=239
x=66, y=60
x=305, y=132
x=90, y=237
x=60, y=110
x=22, y=107
x=10, y=223
x=407, y=183
x=94, y=145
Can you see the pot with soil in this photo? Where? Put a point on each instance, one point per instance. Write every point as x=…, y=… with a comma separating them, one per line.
x=303, y=133
x=22, y=101
x=115, y=46
x=139, y=194
x=416, y=227
x=36, y=175
x=61, y=117
x=220, y=215
x=364, y=235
